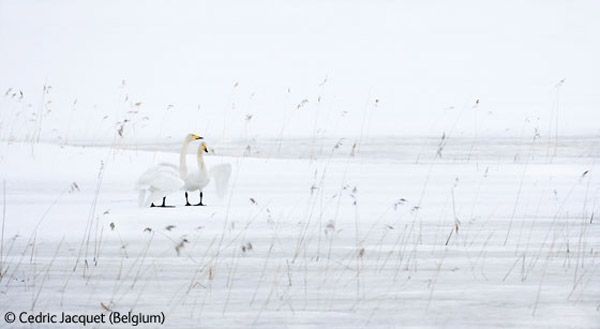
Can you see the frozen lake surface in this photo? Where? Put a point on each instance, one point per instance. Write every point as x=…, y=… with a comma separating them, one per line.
x=479, y=234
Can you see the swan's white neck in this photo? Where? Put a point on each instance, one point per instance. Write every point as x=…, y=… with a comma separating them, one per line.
x=183, y=158
x=200, y=158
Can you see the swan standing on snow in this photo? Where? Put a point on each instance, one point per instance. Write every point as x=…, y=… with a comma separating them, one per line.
x=197, y=180
x=165, y=178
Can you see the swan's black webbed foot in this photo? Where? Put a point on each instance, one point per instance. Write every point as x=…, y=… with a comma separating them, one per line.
x=200, y=203
x=163, y=205
x=187, y=202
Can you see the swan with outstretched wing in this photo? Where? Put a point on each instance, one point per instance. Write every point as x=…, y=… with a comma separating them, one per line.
x=163, y=179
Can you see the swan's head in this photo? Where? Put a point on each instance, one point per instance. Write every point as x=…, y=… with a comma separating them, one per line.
x=193, y=137
x=203, y=148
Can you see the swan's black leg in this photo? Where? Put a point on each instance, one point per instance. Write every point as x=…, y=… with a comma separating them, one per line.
x=200, y=203
x=187, y=203
x=163, y=204
x=152, y=205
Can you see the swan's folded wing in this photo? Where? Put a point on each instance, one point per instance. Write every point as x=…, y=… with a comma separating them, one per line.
x=150, y=174
x=167, y=182
x=163, y=184
x=157, y=182
x=220, y=174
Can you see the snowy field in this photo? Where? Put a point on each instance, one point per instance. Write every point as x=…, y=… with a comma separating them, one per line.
x=395, y=163
x=340, y=241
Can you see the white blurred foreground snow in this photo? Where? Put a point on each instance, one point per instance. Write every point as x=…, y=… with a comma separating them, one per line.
x=335, y=241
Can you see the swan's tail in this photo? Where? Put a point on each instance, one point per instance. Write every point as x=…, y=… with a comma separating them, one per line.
x=221, y=173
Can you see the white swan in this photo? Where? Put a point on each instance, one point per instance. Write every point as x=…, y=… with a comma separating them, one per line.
x=164, y=178
x=197, y=180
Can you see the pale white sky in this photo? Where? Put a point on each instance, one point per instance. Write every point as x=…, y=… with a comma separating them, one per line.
x=419, y=58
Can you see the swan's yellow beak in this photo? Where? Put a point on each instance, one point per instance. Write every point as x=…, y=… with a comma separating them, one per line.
x=196, y=137
x=205, y=147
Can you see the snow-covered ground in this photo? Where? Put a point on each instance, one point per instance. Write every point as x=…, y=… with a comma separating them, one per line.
x=330, y=241
x=395, y=163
